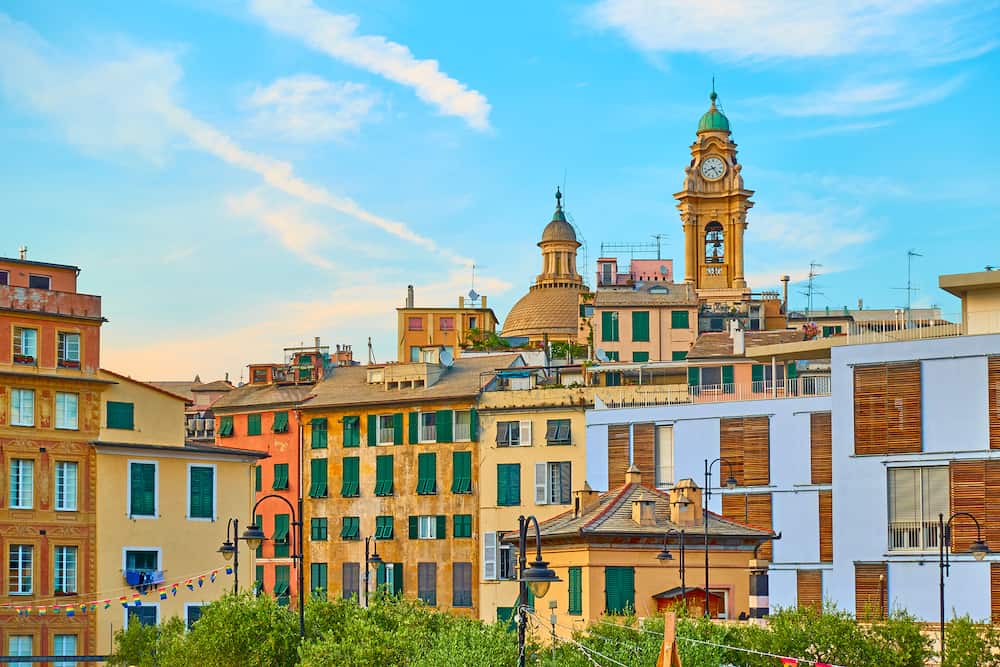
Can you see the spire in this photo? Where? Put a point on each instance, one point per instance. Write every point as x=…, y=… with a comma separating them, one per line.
x=713, y=95
x=559, y=215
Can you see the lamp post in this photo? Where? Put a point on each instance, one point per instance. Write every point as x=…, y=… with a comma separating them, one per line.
x=538, y=577
x=371, y=559
x=254, y=535
x=230, y=550
x=978, y=551
x=730, y=483
x=665, y=555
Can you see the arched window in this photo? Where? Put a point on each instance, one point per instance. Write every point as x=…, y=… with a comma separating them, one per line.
x=715, y=249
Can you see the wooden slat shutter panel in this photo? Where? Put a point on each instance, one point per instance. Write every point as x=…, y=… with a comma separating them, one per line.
x=617, y=454
x=991, y=529
x=821, y=447
x=752, y=509
x=372, y=430
x=869, y=410
x=826, y=526
x=644, y=450
x=756, y=452
x=905, y=429
x=993, y=378
x=968, y=494
x=809, y=585
x=731, y=447
x=871, y=596
x=414, y=428
x=995, y=593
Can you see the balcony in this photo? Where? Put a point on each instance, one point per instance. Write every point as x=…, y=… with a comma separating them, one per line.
x=142, y=580
x=913, y=535
x=651, y=395
x=48, y=302
x=889, y=331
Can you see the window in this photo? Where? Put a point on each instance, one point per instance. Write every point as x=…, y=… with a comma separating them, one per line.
x=461, y=585
x=142, y=561
x=253, y=424
x=282, y=583
x=68, y=350
x=427, y=582
x=226, y=426
x=258, y=580
x=428, y=427
x=351, y=580
x=201, y=492
x=192, y=612
x=383, y=528
x=22, y=479
x=259, y=376
x=318, y=529
x=640, y=357
x=122, y=415
x=447, y=323
x=679, y=319
x=472, y=322
x=575, y=607
x=66, y=485
x=461, y=476
x=463, y=525
x=415, y=324
x=19, y=571
x=553, y=483
x=916, y=497
x=762, y=373
x=664, y=456
x=352, y=431
x=557, y=432
x=64, y=579
x=389, y=578
x=427, y=473
x=64, y=645
x=513, y=434
x=22, y=407
x=4, y=277
x=280, y=535
x=678, y=355
x=259, y=521
x=613, y=355
x=20, y=646
x=317, y=579
x=383, y=475
x=464, y=423
x=609, y=326
x=280, y=477
x=318, y=484
x=607, y=277
x=66, y=410
x=619, y=590
x=280, y=424
x=508, y=484
x=715, y=250
x=142, y=489
x=39, y=282
x=258, y=478
x=710, y=375
x=640, y=326
x=414, y=353
x=25, y=345
x=835, y=330
x=386, y=429
x=145, y=615
x=350, y=487
x=351, y=528
x=319, y=438
x=428, y=527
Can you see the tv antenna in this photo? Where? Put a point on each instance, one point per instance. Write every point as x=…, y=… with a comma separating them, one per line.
x=371, y=352
x=811, y=287
x=910, y=289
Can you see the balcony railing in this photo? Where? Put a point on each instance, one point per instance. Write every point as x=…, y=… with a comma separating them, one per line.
x=913, y=535
x=638, y=397
x=888, y=331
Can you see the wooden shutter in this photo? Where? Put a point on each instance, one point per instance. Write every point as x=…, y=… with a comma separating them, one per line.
x=871, y=594
x=993, y=378
x=968, y=494
x=414, y=431
x=473, y=425
x=869, y=409
x=644, y=450
x=397, y=428
x=731, y=447
x=640, y=326
x=745, y=442
x=565, y=482
x=441, y=527
x=443, y=421
x=887, y=416
x=821, y=447
x=372, y=430
x=575, y=591
x=617, y=454
x=541, y=483
x=904, y=413
x=809, y=585
x=995, y=593
x=826, y=526
x=752, y=509
x=489, y=556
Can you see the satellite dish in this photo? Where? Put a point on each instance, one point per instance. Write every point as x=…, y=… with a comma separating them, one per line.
x=473, y=295
x=663, y=269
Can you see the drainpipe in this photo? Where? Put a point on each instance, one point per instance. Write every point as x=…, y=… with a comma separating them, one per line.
x=774, y=378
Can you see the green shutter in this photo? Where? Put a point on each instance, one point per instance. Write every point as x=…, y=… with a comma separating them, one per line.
x=281, y=537
x=397, y=428
x=461, y=475
x=640, y=326
x=282, y=579
x=280, y=422
x=318, y=528
x=253, y=424
x=258, y=581
x=258, y=481
x=462, y=525
x=427, y=473
x=350, y=487
x=383, y=475
x=640, y=357
x=397, y=578
x=793, y=370
x=225, y=425
x=508, y=484
x=352, y=431
x=473, y=425
x=442, y=526
x=575, y=590
x=679, y=319
x=122, y=415
x=372, y=430
x=727, y=380
x=693, y=376
x=609, y=326
x=143, y=489
x=201, y=491
x=619, y=589
x=443, y=422
x=319, y=438
x=383, y=528
x=280, y=477
x=259, y=522
x=317, y=579
x=678, y=356
x=414, y=532
x=318, y=484
x=351, y=528
x=414, y=428
x=757, y=373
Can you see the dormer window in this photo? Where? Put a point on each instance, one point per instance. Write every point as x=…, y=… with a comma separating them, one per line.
x=39, y=282
x=715, y=250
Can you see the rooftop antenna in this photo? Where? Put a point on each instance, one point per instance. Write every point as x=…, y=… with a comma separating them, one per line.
x=371, y=352
x=22, y=252
x=811, y=287
x=659, y=238
x=910, y=289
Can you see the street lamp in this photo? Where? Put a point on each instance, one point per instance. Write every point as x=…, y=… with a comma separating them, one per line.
x=665, y=556
x=978, y=549
x=373, y=560
x=730, y=484
x=254, y=536
x=538, y=578
x=230, y=550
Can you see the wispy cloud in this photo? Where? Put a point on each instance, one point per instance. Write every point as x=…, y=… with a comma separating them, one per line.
x=821, y=232
x=861, y=99
x=310, y=108
x=336, y=35
x=845, y=128
x=297, y=234
x=128, y=104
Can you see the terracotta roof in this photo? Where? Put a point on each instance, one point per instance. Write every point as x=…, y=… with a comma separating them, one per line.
x=719, y=344
x=545, y=310
x=647, y=294
x=349, y=385
x=251, y=397
x=187, y=388
x=612, y=516
x=151, y=385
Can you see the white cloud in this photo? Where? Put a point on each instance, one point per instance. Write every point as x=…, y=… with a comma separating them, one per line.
x=845, y=128
x=336, y=35
x=861, y=99
x=820, y=233
x=309, y=108
x=128, y=104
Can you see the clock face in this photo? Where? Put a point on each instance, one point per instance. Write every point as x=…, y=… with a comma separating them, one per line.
x=713, y=168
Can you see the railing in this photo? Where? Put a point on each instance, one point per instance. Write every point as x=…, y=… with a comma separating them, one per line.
x=638, y=397
x=913, y=535
x=887, y=331
x=427, y=433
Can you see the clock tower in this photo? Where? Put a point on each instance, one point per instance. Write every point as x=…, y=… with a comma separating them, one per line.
x=713, y=206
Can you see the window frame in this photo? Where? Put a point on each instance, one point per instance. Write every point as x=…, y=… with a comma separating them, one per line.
x=63, y=506
x=424, y=435
x=18, y=340
x=11, y=651
x=131, y=611
x=107, y=415
x=63, y=571
x=60, y=420
x=412, y=320
x=255, y=424
x=319, y=529
x=188, y=606
x=427, y=527
x=21, y=569
x=156, y=488
x=21, y=392
x=36, y=277
x=382, y=430
x=429, y=596
x=21, y=488
x=63, y=651
x=461, y=576
x=63, y=348
x=558, y=424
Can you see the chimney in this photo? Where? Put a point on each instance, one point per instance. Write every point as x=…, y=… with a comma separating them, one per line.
x=461, y=302
x=861, y=303
x=409, y=296
x=784, y=290
x=643, y=509
x=685, y=503
x=736, y=333
x=633, y=475
x=584, y=499
x=482, y=303
x=316, y=341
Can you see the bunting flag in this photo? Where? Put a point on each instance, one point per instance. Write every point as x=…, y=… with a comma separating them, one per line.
x=201, y=581
x=212, y=577
x=789, y=662
x=229, y=570
x=56, y=609
x=107, y=603
x=173, y=589
x=123, y=600
x=70, y=611
x=41, y=611
x=190, y=584
x=163, y=593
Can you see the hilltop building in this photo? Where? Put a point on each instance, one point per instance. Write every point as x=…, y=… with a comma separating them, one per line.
x=455, y=328
x=199, y=421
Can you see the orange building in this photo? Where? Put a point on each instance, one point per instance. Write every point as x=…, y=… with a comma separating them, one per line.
x=50, y=411
x=442, y=326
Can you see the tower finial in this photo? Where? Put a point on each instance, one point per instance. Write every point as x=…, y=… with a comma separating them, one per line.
x=558, y=198
x=713, y=95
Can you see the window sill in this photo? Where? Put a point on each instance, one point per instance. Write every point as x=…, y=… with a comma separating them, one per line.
x=66, y=509
x=21, y=507
x=24, y=425
x=67, y=428
x=207, y=519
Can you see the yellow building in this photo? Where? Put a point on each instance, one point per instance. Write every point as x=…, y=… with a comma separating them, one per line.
x=532, y=456
x=604, y=549
x=980, y=295
x=454, y=328
x=163, y=508
x=389, y=455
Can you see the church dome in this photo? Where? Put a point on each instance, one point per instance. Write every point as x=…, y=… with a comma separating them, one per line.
x=552, y=311
x=713, y=120
x=558, y=229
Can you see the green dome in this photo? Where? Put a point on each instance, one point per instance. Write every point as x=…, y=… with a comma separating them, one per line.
x=713, y=120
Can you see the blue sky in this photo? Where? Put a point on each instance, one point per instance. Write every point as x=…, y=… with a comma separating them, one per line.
x=235, y=177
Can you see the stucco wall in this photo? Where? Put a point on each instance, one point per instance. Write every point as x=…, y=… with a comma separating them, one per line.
x=159, y=416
